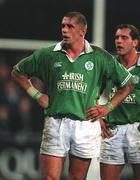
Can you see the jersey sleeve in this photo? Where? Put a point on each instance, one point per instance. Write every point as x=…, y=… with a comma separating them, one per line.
x=31, y=65
x=117, y=73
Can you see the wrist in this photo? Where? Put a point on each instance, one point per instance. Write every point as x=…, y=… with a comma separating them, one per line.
x=34, y=93
x=109, y=106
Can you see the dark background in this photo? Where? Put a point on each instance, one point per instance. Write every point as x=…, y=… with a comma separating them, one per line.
x=40, y=19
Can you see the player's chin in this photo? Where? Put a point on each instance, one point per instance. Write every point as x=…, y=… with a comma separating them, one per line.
x=119, y=52
x=66, y=40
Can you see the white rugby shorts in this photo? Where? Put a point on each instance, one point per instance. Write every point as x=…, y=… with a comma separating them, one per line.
x=123, y=147
x=63, y=136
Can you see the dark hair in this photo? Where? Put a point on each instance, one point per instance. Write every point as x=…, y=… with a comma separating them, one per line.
x=81, y=19
x=134, y=32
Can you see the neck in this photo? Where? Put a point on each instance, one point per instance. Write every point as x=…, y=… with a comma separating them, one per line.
x=74, y=50
x=129, y=60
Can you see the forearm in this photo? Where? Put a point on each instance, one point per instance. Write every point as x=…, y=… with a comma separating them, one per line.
x=100, y=111
x=21, y=79
x=26, y=84
x=121, y=94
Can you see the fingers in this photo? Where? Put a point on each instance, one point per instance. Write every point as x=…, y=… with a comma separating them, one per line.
x=106, y=133
x=44, y=104
x=92, y=114
x=105, y=130
x=96, y=112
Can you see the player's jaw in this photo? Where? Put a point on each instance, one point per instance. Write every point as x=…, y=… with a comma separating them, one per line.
x=120, y=49
x=66, y=38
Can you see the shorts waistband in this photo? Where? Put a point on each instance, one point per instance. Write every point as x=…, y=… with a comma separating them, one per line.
x=113, y=126
x=70, y=116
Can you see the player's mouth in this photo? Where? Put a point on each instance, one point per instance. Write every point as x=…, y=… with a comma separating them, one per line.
x=119, y=48
x=65, y=38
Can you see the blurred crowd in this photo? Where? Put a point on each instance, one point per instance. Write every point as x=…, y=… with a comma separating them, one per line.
x=18, y=112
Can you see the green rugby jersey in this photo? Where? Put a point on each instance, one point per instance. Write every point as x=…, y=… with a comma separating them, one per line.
x=129, y=110
x=73, y=86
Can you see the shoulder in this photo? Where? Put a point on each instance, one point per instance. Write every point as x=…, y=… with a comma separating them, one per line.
x=100, y=50
x=101, y=53
x=45, y=50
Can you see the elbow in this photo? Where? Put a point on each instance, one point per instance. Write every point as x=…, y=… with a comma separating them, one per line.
x=13, y=74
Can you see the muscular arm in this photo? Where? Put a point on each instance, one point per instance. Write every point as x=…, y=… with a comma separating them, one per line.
x=21, y=79
x=121, y=94
x=100, y=111
x=26, y=84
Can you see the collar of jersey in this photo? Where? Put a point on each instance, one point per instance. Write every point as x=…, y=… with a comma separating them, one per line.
x=88, y=48
x=138, y=62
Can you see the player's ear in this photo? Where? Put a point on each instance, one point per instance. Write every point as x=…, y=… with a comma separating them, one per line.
x=84, y=31
x=135, y=43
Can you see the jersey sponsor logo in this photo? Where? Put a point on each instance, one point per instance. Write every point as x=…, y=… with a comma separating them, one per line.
x=130, y=99
x=72, y=81
x=89, y=65
x=73, y=76
x=70, y=85
x=57, y=64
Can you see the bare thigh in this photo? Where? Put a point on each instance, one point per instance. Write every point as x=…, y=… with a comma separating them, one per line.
x=78, y=167
x=111, y=172
x=136, y=169
x=51, y=167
